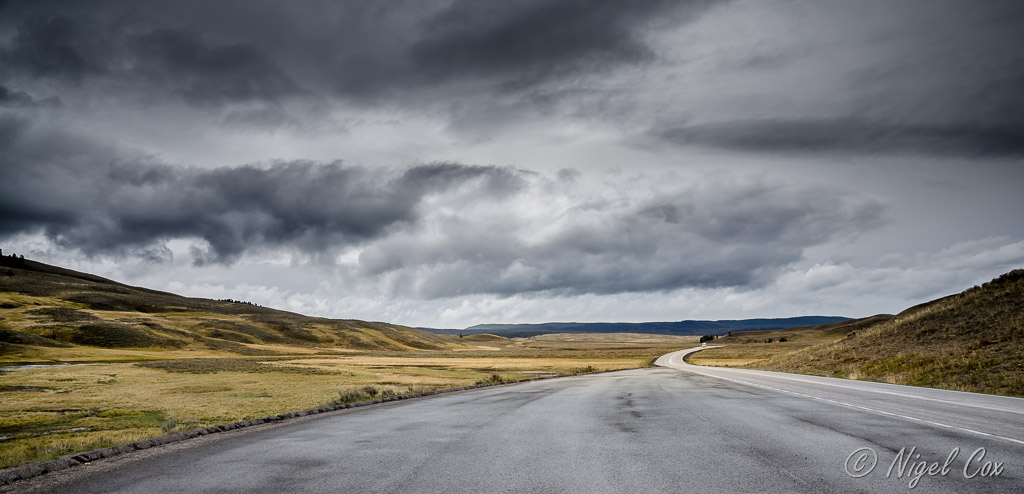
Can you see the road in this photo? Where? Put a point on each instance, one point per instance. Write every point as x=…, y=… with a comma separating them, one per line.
x=677, y=428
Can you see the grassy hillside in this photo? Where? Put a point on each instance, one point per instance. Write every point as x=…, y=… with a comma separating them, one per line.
x=46, y=312
x=752, y=348
x=156, y=363
x=971, y=341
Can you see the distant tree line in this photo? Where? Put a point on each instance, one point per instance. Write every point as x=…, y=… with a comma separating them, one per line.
x=13, y=255
x=709, y=337
x=11, y=260
x=239, y=302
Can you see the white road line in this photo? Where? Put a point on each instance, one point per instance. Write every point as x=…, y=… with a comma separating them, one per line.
x=674, y=360
x=767, y=375
x=867, y=389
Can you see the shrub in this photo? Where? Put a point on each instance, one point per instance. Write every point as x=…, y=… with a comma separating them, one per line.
x=492, y=379
x=364, y=393
x=168, y=426
x=349, y=396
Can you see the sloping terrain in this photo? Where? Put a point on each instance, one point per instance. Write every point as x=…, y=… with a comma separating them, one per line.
x=153, y=363
x=971, y=341
x=46, y=311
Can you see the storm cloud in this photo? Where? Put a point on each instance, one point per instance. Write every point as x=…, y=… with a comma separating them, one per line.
x=85, y=196
x=943, y=84
x=737, y=237
x=76, y=50
x=433, y=230
x=361, y=49
x=523, y=43
x=456, y=162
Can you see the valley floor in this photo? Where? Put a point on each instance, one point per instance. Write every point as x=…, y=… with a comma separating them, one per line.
x=52, y=410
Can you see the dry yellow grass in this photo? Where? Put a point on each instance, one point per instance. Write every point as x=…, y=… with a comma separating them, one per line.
x=47, y=412
x=45, y=309
x=750, y=348
x=971, y=341
x=165, y=363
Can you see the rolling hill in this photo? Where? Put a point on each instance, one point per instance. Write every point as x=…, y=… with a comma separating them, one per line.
x=46, y=308
x=970, y=341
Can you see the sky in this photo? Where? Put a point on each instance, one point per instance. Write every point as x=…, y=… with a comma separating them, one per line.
x=458, y=162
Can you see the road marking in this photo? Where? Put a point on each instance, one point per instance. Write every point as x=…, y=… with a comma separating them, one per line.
x=675, y=360
x=868, y=389
x=768, y=375
x=869, y=409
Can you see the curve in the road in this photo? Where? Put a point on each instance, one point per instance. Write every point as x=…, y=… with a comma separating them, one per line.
x=882, y=398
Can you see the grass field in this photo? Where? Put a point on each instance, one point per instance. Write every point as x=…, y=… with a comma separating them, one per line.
x=146, y=363
x=51, y=411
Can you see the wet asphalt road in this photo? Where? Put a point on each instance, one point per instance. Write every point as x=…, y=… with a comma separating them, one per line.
x=648, y=430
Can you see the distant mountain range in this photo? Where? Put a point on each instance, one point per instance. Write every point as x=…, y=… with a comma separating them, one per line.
x=672, y=328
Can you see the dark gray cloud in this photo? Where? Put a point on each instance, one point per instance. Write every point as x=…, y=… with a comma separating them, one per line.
x=739, y=236
x=55, y=46
x=236, y=50
x=434, y=230
x=88, y=197
x=523, y=43
x=854, y=135
x=160, y=60
x=13, y=98
x=508, y=47
x=946, y=83
x=921, y=78
x=186, y=64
